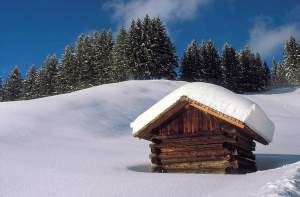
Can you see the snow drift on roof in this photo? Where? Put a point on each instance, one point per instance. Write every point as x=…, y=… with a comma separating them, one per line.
x=217, y=98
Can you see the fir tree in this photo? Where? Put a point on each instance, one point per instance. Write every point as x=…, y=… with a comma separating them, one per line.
x=266, y=77
x=101, y=57
x=135, y=53
x=84, y=61
x=48, y=76
x=274, y=72
x=151, y=53
x=229, y=66
x=37, y=88
x=147, y=49
x=30, y=83
x=163, y=52
x=1, y=89
x=189, y=62
x=258, y=74
x=281, y=77
x=247, y=75
x=292, y=61
x=211, y=72
x=200, y=70
x=121, y=68
x=68, y=71
x=13, y=88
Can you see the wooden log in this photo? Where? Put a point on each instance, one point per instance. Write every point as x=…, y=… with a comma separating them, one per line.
x=238, y=146
x=155, y=140
x=222, y=164
x=245, y=164
x=202, y=171
x=243, y=159
x=190, y=148
x=166, y=148
x=209, y=152
x=156, y=168
x=195, y=140
x=201, y=134
x=206, y=152
x=216, y=139
x=185, y=145
x=155, y=150
x=192, y=159
x=156, y=160
x=241, y=153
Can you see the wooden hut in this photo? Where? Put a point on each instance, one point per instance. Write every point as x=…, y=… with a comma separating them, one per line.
x=203, y=128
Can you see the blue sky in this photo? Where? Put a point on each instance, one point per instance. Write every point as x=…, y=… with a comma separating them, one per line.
x=32, y=29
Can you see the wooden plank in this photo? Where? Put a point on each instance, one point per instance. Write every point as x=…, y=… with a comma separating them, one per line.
x=191, y=159
x=198, y=139
x=202, y=171
x=190, y=148
x=146, y=131
x=207, y=152
x=222, y=164
x=189, y=135
x=218, y=114
x=233, y=146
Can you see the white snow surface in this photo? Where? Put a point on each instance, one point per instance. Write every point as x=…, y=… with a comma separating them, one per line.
x=217, y=98
x=80, y=145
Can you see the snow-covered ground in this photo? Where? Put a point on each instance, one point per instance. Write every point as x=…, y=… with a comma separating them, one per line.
x=80, y=144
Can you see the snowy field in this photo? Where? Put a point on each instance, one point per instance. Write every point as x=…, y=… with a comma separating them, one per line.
x=80, y=144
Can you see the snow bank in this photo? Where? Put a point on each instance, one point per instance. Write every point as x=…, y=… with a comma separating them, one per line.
x=218, y=98
x=80, y=144
x=288, y=184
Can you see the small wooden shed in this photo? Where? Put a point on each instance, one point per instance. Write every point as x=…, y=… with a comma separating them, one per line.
x=203, y=128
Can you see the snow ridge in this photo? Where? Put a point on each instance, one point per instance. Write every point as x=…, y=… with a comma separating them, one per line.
x=286, y=185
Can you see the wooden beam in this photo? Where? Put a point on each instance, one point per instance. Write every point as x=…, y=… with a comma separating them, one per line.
x=218, y=114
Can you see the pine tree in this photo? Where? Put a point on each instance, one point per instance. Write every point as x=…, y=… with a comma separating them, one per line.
x=1, y=89
x=13, y=88
x=151, y=53
x=212, y=71
x=189, y=62
x=163, y=52
x=200, y=70
x=247, y=71
x=148, y=66
x=101, y=57
x=48, y=76
x=258, y=74
x=121, y=68
x=68, y=74
x=229, y=67
x=38, y=88
x=266, y=77
x=29, y=84
x=292, y=61
x=84, y=61
x=274, y=73
x=281, y=76
x=135, y=52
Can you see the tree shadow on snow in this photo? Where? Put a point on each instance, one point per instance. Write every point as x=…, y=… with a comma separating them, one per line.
x=263, y=162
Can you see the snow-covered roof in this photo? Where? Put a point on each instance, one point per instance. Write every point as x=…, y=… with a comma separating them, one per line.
x=216, y=98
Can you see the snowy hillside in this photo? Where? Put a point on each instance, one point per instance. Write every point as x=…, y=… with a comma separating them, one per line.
x=80, y=144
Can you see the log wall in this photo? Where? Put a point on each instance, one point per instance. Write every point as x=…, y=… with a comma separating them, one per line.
x=194, y=141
